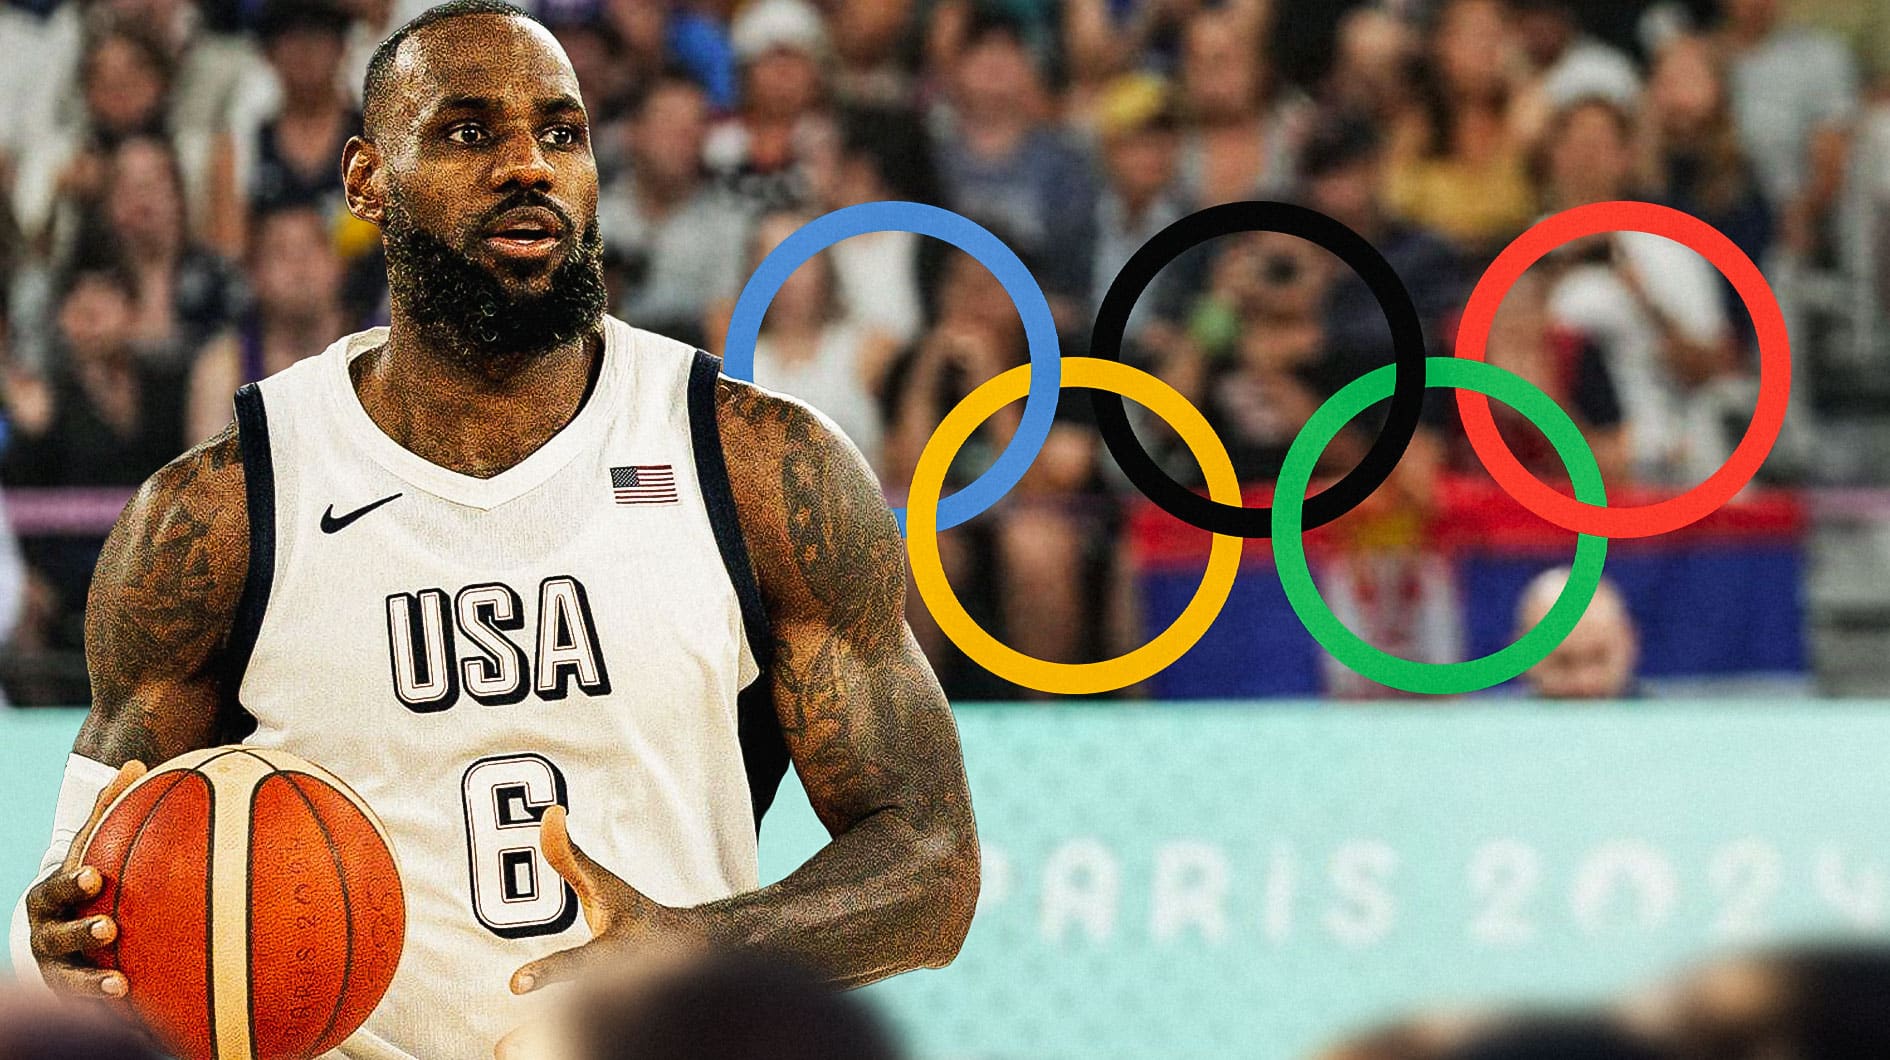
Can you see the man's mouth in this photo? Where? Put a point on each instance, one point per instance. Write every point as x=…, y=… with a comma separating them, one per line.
x=525, y=233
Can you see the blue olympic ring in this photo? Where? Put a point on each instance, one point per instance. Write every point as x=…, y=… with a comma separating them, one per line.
x=1040, y=329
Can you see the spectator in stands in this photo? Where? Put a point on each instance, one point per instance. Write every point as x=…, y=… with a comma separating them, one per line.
x=1458, y=159
x=696, y=33
x=1568, y=64
x=1562, y=363
x=186, y=292
x=675, y=241
x=1003, y=163
x=1040, y=568
x=294, y=159
x=295, y=311
x=876, y=154
x=1820, y=1002
x=106, y=417
x=1342, y=176
x=1243, y=126
x=1692, y=156
x=1139, y=126
x=1104, y=41
x=756, y=153
x=1654, y=307
x=1372, y=67
x=811, y=348
x=1259, y=359
x=213, y=78
x=1862, y=27
x=1794, y=99
x=1594, y=662
x=870, y=45
x=126, y=78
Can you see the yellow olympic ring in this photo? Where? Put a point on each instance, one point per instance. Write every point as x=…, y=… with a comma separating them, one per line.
x=928, y=571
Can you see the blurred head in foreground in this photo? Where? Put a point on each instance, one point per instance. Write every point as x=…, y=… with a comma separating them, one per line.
x=1425, y=1037
x=1557, y=1037
x=726, y=1006
x=45, y=1028
x=1597, y=659
x=1804, y=1003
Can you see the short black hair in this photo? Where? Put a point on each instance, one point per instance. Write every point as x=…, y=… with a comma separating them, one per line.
x=380, y=66
x=989, y=20
x=280, y=18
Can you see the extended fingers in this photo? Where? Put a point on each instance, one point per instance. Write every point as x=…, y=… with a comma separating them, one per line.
x=558, y=967
x=62, y=938
x=63, y=890
x=81, y=981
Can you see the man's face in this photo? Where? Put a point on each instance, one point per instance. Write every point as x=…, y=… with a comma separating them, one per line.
x=1349, y=193
x=1141, y=163
x=481, y=176
x=142, y=198
x=1596, y=661
x=996, y=73
x=667, y=138
x=95, y=319
x=295, y=270
x=305, y=61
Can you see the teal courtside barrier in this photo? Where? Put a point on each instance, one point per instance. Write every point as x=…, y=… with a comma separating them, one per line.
x=1194, y=880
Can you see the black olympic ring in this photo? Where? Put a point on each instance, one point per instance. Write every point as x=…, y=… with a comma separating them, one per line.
x=1407, y=339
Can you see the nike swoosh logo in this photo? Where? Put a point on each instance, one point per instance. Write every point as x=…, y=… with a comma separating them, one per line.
x=331, y=524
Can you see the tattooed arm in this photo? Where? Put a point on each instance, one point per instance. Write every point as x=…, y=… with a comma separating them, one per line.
x=160, y=610
x=156, y=623
x=866, y=723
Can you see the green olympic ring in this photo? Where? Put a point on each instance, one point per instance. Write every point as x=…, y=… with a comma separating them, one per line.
x=1289, y=552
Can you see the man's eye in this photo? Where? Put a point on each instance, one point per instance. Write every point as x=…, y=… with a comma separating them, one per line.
x=563, y=135
x=466, y=134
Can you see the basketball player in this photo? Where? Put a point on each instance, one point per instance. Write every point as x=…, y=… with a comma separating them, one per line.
x=511, y=557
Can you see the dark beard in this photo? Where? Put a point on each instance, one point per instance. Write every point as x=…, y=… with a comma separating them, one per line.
x=445, y=291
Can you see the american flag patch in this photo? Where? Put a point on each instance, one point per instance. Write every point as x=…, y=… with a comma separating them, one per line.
x=644, y=484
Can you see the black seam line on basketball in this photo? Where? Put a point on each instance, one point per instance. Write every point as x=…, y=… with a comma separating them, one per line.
x=1407, y=340
x=347, y=910
x=119, y=895
x=333, y=524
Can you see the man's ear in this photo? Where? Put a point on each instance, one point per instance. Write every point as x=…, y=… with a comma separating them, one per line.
x=363, y=180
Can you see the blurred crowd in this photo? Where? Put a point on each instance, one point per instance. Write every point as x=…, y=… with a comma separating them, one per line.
x=172, y=226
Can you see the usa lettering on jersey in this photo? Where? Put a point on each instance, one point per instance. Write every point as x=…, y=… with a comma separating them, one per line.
x=441, y=644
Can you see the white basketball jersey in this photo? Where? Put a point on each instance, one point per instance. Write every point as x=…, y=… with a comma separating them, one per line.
x=466, y=652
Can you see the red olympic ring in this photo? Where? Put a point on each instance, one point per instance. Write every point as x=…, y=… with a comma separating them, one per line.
x=1775, y=369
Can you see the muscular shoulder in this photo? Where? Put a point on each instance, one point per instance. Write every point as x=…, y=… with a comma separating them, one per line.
x=817, y=526
x=163, y=597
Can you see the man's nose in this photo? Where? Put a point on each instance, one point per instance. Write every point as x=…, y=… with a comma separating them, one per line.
x=521, y=161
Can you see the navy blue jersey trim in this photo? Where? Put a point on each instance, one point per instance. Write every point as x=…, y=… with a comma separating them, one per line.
x=259, y=492
x=764, y=748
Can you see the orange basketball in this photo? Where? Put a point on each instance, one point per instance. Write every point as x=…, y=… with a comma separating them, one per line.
x=259, y=908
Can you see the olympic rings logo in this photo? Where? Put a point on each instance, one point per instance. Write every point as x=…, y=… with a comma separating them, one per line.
x=1292, y=512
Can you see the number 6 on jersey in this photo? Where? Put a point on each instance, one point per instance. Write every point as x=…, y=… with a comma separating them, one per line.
x=515, y=892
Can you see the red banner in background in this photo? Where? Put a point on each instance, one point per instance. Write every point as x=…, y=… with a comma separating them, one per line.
x=1471, y=513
